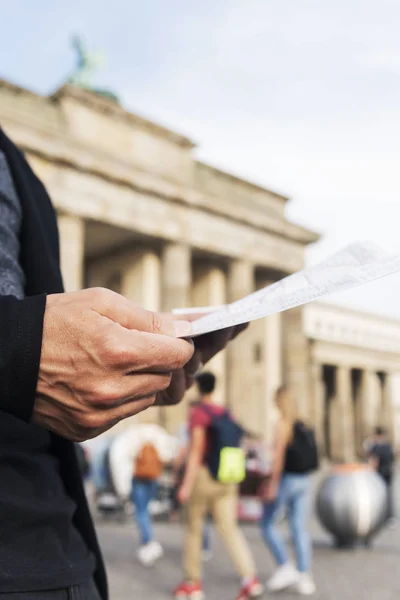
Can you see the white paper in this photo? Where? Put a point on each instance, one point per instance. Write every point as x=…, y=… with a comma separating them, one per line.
x=354, y=265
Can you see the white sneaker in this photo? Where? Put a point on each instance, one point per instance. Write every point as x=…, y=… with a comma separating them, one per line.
x=284, y=577
x=156, y=551
x=144, y=555
x=306, y=585
x=150, y=553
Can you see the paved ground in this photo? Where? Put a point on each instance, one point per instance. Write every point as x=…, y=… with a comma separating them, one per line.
x=362, y=574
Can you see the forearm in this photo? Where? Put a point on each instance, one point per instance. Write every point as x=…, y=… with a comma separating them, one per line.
x=281, y=441
x=192, y=468
x=277, y=468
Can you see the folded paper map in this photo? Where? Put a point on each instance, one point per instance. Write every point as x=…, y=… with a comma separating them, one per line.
x=354, y=265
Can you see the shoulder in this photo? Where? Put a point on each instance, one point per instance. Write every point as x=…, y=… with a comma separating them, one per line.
x=200, y=417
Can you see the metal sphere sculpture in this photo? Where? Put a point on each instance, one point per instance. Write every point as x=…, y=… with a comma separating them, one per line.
x=352, y=504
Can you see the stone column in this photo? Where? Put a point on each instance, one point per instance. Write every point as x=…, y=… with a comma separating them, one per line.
x=209, y=289
x=272, y=372
x=296, y=359
x=368, y=403
x=342, y=423
x=318, y=402
x=176, y=280
x=241, y=389
x=141, y=282
x=72, y=251
x=388, y=417
x=141, y=279
x=176, y=276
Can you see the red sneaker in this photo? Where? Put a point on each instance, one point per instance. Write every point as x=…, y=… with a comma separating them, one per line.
x=189, y=591
x=253, y=590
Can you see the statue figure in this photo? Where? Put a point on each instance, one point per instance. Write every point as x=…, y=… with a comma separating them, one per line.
x=85, y=69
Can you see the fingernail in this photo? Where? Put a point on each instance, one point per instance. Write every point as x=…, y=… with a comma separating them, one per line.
x=182, y=328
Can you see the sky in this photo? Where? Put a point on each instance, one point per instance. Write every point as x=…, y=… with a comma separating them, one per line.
x=301, y=96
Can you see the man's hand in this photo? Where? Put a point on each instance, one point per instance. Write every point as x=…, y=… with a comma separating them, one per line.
x=104, y=359
x=206, y=347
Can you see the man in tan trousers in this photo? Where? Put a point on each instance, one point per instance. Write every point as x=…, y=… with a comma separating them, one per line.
x=204, y=494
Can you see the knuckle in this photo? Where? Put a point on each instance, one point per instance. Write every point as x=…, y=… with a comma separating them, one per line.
x=106, y=394
x=108, y=349
x=127, y=356
x=91, y=421
x=102, y=296
x=156, y=322
x=113, y=353
x=99, y=293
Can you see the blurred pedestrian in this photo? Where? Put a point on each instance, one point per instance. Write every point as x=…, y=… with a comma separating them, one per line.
x=381, y=457
x=137, y=459
x=295, y=456
x=215, y=465
x=179, y=471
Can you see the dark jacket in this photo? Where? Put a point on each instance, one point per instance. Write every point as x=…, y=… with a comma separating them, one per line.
x=21, y=328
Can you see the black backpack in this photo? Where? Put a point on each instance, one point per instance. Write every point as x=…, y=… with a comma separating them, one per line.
x=302, y=451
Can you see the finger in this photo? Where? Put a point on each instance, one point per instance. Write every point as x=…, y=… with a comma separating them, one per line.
x=211, y=343
x=128, y=388
x=182, y=380
x=193, y=368
x=136, y=351
x=119, y=309
x=194, y=365
x=126, y=410
x=238, y=329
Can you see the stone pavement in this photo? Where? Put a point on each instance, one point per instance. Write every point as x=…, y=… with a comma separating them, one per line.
x=363, y=574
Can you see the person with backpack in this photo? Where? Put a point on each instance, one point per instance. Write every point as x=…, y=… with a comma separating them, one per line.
x=295, y=456
x=137, y=459
x=381, y=457
x=215, y=466
x=179, y=467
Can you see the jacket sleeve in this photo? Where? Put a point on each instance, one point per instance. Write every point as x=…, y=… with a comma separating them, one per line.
x=21, y=331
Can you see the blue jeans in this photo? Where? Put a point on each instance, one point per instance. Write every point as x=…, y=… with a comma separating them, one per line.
x=142, y=493
x=206, y=545
x=294, y=494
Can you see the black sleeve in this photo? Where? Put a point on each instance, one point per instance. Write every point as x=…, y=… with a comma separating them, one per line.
x=21, y=331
